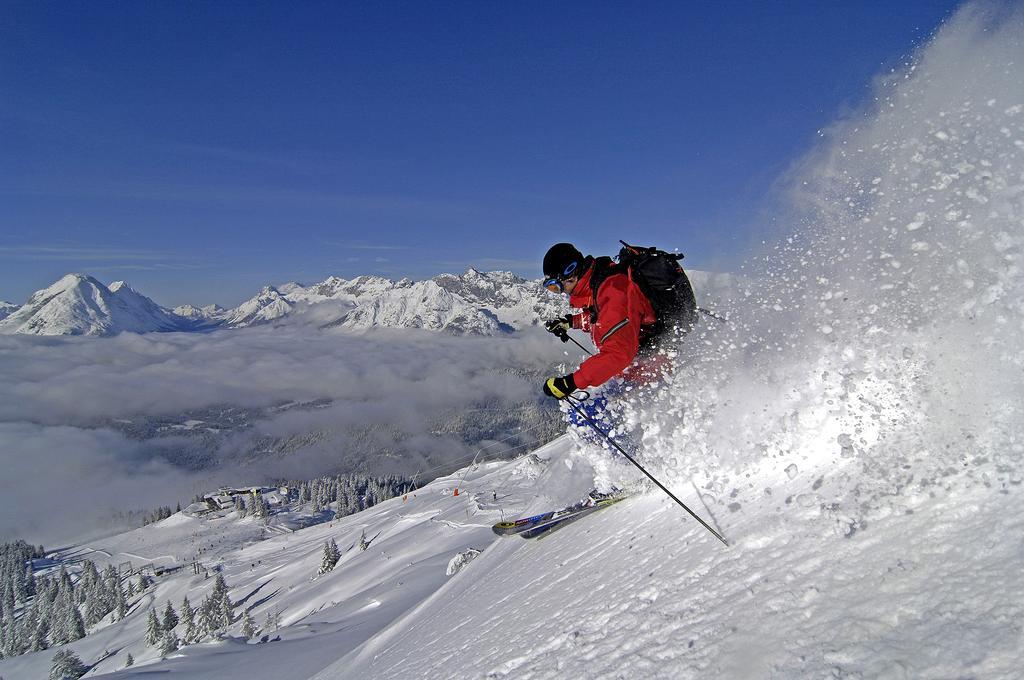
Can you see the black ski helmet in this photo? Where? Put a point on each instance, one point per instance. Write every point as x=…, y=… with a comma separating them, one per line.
x=563, y=260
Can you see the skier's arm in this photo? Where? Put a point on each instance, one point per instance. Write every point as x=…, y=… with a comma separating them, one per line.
x=617, y=334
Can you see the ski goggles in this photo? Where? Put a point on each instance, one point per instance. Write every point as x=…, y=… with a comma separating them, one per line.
x=554, y=284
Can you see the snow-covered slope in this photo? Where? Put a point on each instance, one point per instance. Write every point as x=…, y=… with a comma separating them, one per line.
x=81, y=305
x=639, y=586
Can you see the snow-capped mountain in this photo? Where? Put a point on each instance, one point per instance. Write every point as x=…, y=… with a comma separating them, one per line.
x=270, y=305
x=80, y=305
x=6, y=309
x=202, y=314
x=423, y=305
x=473, y=303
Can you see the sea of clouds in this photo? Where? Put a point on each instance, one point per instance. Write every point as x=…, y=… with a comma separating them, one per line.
x=67, y=467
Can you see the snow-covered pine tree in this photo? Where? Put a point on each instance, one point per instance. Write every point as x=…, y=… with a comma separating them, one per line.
x=11, y=642
x=94, y=611
x=154, y=631
x=168, y=643
x=206, y=624
x=220, y=587
x=67, y=666
x=225, y=611
x=38, y=641
x=188, y=618
x=130, y=661
x=330, y=557
x=363, y=543
x=120, y=602
x=170, y=619
x=248, y=626
x=318, y=504
x=75, y=625
x=259, y=506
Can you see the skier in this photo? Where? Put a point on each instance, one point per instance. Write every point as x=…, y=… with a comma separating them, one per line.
x=621, y=320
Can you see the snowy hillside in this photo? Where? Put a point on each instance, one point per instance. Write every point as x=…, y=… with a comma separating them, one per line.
x=639, y=585
x=81, y=305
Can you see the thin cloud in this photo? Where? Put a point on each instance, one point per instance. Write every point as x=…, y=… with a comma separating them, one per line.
x=34, y=252
x=363, y=246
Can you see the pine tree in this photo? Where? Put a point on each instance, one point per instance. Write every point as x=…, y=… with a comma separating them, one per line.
x=259, y=506
x=248, y=626
x=363, y=543
x=168, y=643
x=205, y=623
x=94, y=611
x=120, y=602
x=67, y=666
x=224, y=612
x=130, y=661
x=11, y=643
x=330, y=558
x=188, y=617
x=154, y=631
x=240, y=508
x=170, y=617
x=75, y=626
x=38, y=641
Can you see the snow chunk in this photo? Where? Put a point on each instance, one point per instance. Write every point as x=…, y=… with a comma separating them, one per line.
x=456, y=564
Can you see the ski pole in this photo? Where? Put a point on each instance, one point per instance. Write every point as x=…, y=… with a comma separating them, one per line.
x=569, y=337
x=574, y=403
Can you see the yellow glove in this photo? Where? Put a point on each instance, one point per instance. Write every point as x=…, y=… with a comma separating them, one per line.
x=560, y=388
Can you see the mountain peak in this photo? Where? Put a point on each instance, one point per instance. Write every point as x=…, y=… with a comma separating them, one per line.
x=78, y=304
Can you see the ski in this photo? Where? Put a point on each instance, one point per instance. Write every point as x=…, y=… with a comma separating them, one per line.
x=544, y=528
x=546, y=520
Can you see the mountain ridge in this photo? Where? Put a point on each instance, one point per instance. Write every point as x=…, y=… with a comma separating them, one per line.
x=474, y=303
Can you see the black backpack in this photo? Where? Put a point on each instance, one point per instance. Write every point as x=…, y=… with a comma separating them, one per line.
x=660, y=278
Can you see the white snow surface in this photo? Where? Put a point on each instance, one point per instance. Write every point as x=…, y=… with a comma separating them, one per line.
x=637, y=590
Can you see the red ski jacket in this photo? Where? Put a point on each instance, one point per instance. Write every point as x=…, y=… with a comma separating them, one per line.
x=623, y=311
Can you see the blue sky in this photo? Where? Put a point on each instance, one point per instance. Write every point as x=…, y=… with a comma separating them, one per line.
x=202, y=150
